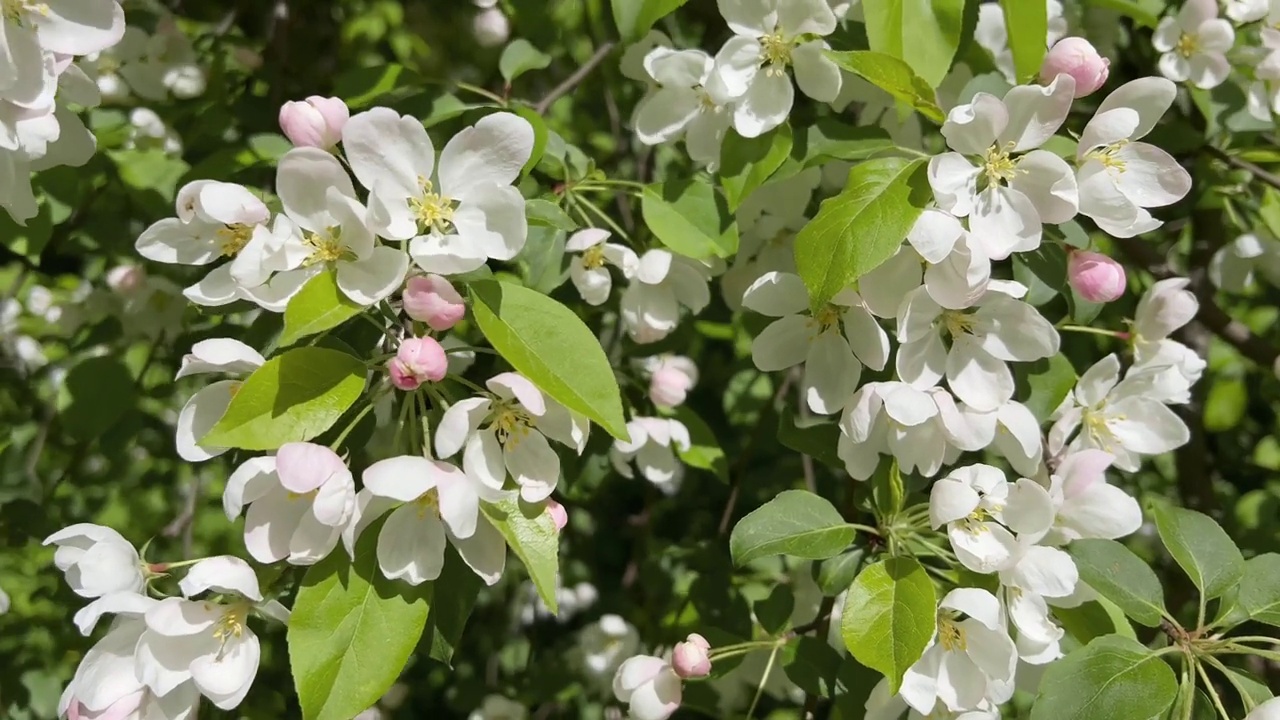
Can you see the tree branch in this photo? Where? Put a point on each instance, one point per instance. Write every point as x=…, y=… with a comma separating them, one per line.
x=573, y=80
x=1268, y=177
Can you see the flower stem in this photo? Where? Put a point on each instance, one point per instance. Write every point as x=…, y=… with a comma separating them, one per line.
x=1095, y=331
x=764, y=679
x=347, y=430
x=1213, y=692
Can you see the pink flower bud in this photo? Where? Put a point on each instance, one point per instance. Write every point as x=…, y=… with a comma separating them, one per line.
x=126, y=279
x=668, y=387
x=432, y=299
x=316, y=122
x=690, y=658
x=558, y=514
x=418, y=360
x=1076, y=57
x=1096, y=277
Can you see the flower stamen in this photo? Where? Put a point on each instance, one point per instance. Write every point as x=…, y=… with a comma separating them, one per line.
x=433, y=210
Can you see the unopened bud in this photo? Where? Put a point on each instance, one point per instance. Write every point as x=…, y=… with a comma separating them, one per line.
x=1096, y=277
x=490, y=27
x=315, y=122
x=690, y=658
x=668, y=387
x=558, y=514
x=418, y=360
x=1076, y=57
x=126, y=279
x=433, y=300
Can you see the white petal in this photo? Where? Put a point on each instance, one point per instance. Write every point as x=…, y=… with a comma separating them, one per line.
x=1036, y=112
x=817, y=76
x=1045, y=571
x=492, y=152
x=1050, y=185
x=205, y=408
x=783, y=344
x=533, y=464
x=765, y=105
x=777, y=294
x=1004, y=221
x=223, y=574
x=405, y=478
x=511, y=385
x=977, y=378
x=972, y=128
x=303, y=178
x=460, y=421
x=225, y=678
x=737, y=64
x=665, y=113
x=954, y=181
x=831, y=373
x=367, y=281
x=388, y=151
x=485, y=552
x=950, y=500
x=411, y=547
x=493, y=221
x=1150, y=97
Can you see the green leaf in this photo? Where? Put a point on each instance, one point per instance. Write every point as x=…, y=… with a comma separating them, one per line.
x=1028, y=26
x=894, y=77
x=317, y=307
x=924, y=33
x=1111, y=678
x=1260, y=588
x=634, y=18
x=813, y=666
x=1249, y=685
x=1122, y=577
x=542, y=260
x=690, y=218
x=887, y=492
x=774, y=611
x=1143, y=12
x=795, y=523
x=97, y=392
x=535, y=540
x=150, y=169
x=857, y=230
x=830, y=139
x=704, y=450
x=837, y=573
x=815, y=437
x=294, y=397
x=362, y=86
x=746, y=163
x=450, y=609
x=890, y=617
x=519, y=57
x=549, y=214
x=1203, y=549
x=1093, y=619
x=547, y=343
x=540, y=136
x=352, y=631
x=1047, y=383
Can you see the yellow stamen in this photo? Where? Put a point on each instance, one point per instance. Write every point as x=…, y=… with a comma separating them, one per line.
x=231, y=625
x=429, y=502
x=17, y=11
x=998, y=166
x=512, y=424
x=593, y=257
x=1187, y=45
x=326, y=247
x=1109, y=156
x=233, y=238
x=957, y=323
x=433, y=210
x=950, y=635
x=776, y=50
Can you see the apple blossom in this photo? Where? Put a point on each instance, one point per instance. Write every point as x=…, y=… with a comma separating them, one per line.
x=1264, y=93
x=1246, y=11
x=587, y=269
x=1119, y=177
x=207, y=406
x=315, y=122
x=418, y=360
x=768, y=220
x=1076, y=56
x=996, y=175
x=457, y=212
x=1194, y=44
x=689, y=658
x=125, y=280
x=941, y=255
x=1267, y=710
x=833, y=344
x=506, y=430
x=1096, y=277
x=920, y=429
x=490, y=27
x=770, y=36
x=649, y=686
x=606, y=643
x=1085, y=505
x=881, y=705
x=97, y=560
x=1167, y=306
x=685, y=100
x=439, y=502
x=982, y=511
x=432, y=299
x=653, y=447
x=558, y=514
x=1235, y=265
x=661, y=283
x=497, y=707
x=969, y=662
x=299, y=502
x=671, y=377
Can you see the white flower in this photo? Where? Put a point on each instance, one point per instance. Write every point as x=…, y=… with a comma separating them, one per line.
x=207, y=406
x=649, y=686
x=1000, y=330
x=214, y=220
x=498, y=707
x=1234, y=265
x=1194, y=45
x=881, y=705
x=299, y=502
x=877, y=108
x=324, y=225
x=439, y=502
x=982, y=511
x=606, y=643
x=768, y=221
x=206, y=642
x=588, y=271
x=458, y=212
x=922, y=430
x=996, y=177
x=834, y=344
x=1119, y=177
x=671, y=377
x=1246, y=11
x=1116, y=416
x=506, y=432
x=685, y=101
x=992, y=34
x=1269, y=710
x=1169, y=369
x=969, y=662
x=652, y=446
x=1167, y=306
x=771, y=35
x=661, y=283
x=941, y=255
x=1264, y=93
x=28, y=29
x=1085, y=505
x=97, y=560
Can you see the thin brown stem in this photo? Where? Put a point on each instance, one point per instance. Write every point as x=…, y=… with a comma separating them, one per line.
x=575, y=79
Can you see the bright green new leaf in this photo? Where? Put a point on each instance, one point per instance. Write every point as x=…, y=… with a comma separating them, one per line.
x=795, y=523
x=704, y=450
x=924, y=33
x=857, y=230
x=890, y=615
x=1111, y=678
x=746, y=163
x=690, y=218
x=352, y=631
x=549, y=214
x=540, y=136
x=150, y=169
x=894, y=77
x=1028, y=26
x=519, y=57
x=547, y=343
x=293, y=397
x=1047, y=383
x=535, y=540
x=634, y=18
x=1143, y=12
x=1122, y=577
x=832, y=139
x=317, y=307
x=1203, y=549
x=1093, y=619
x=1260, y=588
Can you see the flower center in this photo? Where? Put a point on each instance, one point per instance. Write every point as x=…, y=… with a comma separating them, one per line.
x=1098, y=429
x=708, y=103
x=231, y=625
x=950, y=635
x=998, y=166
x=433, y=210
x=826, y=318
x=957, y=323
x=429, y=502
x=17, y=11
x=593, y=257
x=776, y=50
x=1187, y=45
x=233, y=238
x=326, y=247
x=1109, y=156
x=512, y=423
x=976, y=522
